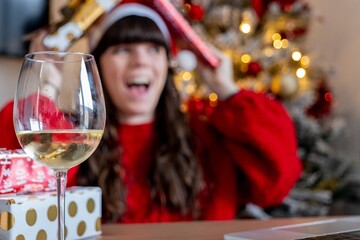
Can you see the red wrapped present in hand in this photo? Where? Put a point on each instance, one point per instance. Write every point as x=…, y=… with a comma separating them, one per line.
x=20, y=174
x=185, y=35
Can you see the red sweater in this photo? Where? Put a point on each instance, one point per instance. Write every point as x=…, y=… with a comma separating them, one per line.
x=246, y=145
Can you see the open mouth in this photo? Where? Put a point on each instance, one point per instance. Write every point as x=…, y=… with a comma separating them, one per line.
x=138, y=86
x=139, y=82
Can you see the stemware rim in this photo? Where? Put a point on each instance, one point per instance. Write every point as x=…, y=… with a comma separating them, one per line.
x=88, y=56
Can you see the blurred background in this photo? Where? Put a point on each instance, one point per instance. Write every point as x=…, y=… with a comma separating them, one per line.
x=303, y=52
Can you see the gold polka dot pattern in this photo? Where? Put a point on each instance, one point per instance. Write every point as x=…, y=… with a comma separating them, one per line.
x=52, y=213
x=98, y=225
x=41, y=235
x=38, y=213
x=72, y=209
x=7, y=221
x=81, y=228
x=90, y=205
x=20, y=237
x=31, y=217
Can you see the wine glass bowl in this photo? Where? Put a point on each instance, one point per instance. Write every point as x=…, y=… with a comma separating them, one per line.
x=60, y=149
x=59, y=113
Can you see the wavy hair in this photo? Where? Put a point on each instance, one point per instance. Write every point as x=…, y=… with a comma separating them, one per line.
x=174, y=177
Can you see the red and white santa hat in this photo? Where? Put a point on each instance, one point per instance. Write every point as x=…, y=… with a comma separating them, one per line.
x=124, y=10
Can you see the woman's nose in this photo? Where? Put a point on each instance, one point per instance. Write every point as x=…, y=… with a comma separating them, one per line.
x=141, y=56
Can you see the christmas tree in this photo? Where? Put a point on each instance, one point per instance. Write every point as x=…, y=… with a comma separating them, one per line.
x=266, y=41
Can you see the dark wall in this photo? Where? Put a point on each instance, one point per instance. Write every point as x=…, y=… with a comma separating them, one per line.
x=17, y=18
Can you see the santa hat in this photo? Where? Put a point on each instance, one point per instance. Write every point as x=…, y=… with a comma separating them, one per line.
x=172, y=24
x=122, y=11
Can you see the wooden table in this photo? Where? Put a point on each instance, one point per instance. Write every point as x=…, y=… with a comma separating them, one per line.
x=209, y=230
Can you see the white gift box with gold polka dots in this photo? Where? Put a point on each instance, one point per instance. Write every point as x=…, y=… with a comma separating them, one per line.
x=33, y=216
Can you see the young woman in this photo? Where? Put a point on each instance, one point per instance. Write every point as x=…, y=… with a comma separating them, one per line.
x=156, y=163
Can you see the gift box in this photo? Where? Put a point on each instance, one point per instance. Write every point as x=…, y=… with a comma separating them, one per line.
x=20, y=174
x=186, y=37
x=34, y=216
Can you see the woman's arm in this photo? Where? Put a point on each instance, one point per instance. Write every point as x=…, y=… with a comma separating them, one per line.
x=256, y=131
x=220, y=80
x=260, y=136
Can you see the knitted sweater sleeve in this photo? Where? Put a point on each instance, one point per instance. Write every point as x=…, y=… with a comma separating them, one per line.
x=259, y=136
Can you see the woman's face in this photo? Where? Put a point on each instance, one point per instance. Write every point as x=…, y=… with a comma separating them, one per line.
x=134, y=75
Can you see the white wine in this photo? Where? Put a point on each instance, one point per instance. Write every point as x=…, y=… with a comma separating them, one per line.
x=60, y=149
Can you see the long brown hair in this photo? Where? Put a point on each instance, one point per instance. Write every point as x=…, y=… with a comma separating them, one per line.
x=174, y=177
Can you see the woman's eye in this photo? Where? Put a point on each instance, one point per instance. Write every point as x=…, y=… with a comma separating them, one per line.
x=120, y=50
x=155, y=49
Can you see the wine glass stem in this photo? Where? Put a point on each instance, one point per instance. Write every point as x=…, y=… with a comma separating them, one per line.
x=61, y=186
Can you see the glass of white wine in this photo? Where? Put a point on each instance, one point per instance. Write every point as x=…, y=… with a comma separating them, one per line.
x=59, y=113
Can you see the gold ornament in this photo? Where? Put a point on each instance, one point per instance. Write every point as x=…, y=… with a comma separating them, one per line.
x=285, y=85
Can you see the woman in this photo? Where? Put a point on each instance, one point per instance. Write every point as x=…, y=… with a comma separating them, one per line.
x=157, y=164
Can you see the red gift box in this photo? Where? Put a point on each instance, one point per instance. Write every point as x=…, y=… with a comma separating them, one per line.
x=21, y=174
x=186, y=37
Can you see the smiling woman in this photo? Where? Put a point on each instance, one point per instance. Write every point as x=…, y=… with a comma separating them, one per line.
x=135, y=74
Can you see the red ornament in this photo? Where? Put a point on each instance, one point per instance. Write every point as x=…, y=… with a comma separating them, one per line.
x=261, y=6
x=323, y=104
x=254, y=68
x=196, y=12
x=285, y=4
x=298, y=32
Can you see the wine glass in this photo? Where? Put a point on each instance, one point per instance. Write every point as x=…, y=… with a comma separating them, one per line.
x=59, y=113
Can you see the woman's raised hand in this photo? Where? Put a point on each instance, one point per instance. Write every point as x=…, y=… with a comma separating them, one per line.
x=221, y=79
x=36, y=41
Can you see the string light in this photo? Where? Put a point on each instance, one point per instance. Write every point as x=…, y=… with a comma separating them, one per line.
x=245, y=27
x=268, y=52
x=300, y=72
x=245, y=58
x=213, y=97
x=284, y=43
x=296, y=55
x=190, y=89
x=305, y=61
x=304, y=84
x=277, y=44
x=276, y=36
x=244, y=67
x=187, y=76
